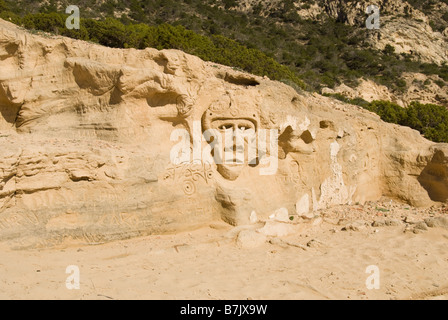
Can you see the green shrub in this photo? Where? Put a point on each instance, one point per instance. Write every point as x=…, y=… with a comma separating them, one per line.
x=430, y=119
x=440, y=83
x=10, y=16
x=388, y=111
x=356, y=101
x=3, y=6
x=48, y=22
x=389, y=50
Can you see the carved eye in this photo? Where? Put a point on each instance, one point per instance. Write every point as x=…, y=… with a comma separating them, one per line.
x=226, y=127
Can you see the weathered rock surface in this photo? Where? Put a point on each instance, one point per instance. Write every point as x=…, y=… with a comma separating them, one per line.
x=88, y=133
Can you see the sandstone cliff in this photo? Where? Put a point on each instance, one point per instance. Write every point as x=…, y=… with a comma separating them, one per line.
x=403, y=26
x=85, y=145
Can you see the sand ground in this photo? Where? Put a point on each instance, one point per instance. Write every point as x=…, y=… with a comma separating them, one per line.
x=320, y=262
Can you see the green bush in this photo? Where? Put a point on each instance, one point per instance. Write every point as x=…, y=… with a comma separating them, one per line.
x=388, y=111
x=429, y=119
x=389, y=50
x=356, y=101
x=48, y=22
x=110, y=32
x=10, y=16
x=440, y=83
x=3, y=6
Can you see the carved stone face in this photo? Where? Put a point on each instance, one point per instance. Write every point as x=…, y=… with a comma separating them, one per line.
x=232, y=128
x=236, y=122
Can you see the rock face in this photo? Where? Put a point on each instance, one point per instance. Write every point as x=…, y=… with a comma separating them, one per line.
x=99, y=144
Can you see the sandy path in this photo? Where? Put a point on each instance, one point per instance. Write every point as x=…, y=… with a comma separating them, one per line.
x=206, y=264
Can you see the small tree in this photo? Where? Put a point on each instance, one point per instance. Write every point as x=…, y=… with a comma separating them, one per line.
x=389, y=50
